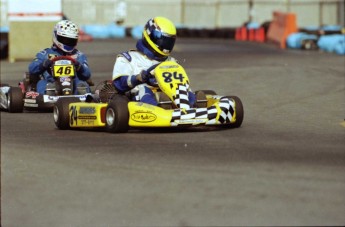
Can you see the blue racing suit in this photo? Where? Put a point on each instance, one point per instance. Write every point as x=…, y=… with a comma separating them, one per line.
x=36, y=68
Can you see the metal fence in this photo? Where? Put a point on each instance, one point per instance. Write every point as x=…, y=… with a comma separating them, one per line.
x=201, y=13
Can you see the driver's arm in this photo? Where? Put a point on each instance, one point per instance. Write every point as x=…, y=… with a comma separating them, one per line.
x=83, y=70
x=123, y=78
x=40, y=63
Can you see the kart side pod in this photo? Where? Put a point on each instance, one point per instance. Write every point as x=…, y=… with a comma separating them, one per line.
x=71, y=113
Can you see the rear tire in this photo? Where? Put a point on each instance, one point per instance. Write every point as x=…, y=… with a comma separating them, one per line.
x=61, y=112
x=238, y=110
x=15, y=100
x=117, y=115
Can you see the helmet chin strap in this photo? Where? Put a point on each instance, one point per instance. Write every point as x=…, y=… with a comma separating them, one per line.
x=145, y=50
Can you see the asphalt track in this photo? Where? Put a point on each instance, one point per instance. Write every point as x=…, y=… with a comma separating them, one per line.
x=284, y=166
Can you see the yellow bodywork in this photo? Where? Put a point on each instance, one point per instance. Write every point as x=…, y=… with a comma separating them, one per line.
x=173, y=81
x=169, y=75
x=146, y=115
x=84, y=114
x=88, y=115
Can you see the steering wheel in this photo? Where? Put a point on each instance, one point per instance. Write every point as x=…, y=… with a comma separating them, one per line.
x=64, y=58
x=152, y=80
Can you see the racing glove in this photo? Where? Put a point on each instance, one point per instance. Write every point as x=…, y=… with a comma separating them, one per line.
x=47, y=63
x=78, y=66
x=143, y=76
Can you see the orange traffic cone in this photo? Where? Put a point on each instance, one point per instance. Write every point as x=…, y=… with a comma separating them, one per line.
x=238, y=34
x=260, y=35
x=252, y=34
x=244, y=35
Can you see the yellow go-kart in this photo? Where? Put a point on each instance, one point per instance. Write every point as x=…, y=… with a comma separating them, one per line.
x=117, y=114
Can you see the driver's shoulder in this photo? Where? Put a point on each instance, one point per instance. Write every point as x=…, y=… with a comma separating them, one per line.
x=131, y=54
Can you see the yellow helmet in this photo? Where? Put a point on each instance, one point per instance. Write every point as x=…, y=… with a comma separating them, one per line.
x=159, y=36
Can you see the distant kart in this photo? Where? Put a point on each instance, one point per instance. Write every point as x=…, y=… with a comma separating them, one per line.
x=25, y=97
x=116, y=113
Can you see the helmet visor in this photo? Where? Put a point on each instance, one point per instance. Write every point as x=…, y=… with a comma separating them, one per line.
x=67, y=41
x=164, y=41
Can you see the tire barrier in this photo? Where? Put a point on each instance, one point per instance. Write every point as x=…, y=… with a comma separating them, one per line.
x=104, y=31
x=136, y=32
x=222, y=33
x=332, y=43
x=250, y=34
x=115, y=31
x=281, y=27
x=301, y=40
x=327, y=38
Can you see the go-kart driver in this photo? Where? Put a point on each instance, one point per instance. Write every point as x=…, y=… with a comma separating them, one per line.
x=132, y=69
x=65, y=39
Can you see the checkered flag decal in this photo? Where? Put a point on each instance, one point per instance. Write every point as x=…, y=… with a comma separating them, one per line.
x=227, y=107
x=151, y=26
x=225, y=104
x=181, y=99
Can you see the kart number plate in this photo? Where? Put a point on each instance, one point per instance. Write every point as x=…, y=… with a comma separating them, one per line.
x=63, y=70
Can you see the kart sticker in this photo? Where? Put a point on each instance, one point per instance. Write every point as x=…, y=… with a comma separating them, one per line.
x=30, y=105
x=87, y=117
x=30, y=100
x=87, y=110
x=87, y=122
x=143, y=117
x=31, y=94
x=73, y=115
x=65, y=79
x=65, y=83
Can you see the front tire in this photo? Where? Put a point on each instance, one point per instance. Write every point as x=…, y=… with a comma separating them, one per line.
x=117, y=115
x=238, y=110
x=15, y=101
x=61, y=112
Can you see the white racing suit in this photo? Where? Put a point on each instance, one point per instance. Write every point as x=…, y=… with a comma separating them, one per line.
x=127, y=66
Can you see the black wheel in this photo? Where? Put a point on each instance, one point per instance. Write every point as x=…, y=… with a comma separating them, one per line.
x=309, y=44
x=61, y=112
x=117, y=115
x=238, y=110
x=15, y=101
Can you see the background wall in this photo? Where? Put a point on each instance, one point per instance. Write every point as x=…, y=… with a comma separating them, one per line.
x=201, y=13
